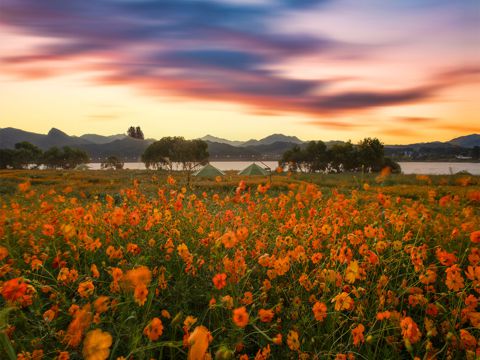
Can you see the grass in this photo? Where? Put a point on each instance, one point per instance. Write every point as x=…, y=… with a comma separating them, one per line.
x=345, y=266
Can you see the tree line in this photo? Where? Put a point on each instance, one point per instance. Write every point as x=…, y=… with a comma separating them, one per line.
x=368, y=155
x=26, y=155
x=170, y=153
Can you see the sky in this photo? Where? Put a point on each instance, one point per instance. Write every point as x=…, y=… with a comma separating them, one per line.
x=402, y=71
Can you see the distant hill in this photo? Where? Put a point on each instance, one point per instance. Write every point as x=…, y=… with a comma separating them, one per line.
x=269, y=148
x=275, y=149
x=128, y=148
x=100, y=139
x=273, y=139
x=211, y=138
x=221, y=151
x=468, y=141
x=96, y=146
x=10, y=136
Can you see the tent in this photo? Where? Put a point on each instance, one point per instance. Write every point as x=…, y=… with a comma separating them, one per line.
x=253, y=169
x=208, y=171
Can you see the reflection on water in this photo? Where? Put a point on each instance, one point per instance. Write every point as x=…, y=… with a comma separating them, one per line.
x=427, y=168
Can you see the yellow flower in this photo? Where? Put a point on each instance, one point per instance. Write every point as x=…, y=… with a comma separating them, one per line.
x=97, y=345
x=352, y=272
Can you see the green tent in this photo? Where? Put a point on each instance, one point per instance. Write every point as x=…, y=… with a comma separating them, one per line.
x=208, y=171
x=253, y=169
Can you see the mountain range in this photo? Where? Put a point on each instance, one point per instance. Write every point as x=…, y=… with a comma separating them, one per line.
x=269, y=148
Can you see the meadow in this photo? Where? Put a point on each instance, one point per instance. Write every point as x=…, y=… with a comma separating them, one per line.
x=140, y=265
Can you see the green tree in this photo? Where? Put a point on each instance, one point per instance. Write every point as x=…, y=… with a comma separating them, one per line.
x=112, y=162
x=65, y=158
x=7, y=158
x=139, y=133
x=171, y=151
x=294, y=159
x=52, y=158
x=161, y=153
x=315, y=156
x=135, y=132
x=370, y=154
x=25, y=155
x=73, y=157
x=191, y=154
x=343, y=157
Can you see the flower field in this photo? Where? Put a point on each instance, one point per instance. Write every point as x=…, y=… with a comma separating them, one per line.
x=240, y=270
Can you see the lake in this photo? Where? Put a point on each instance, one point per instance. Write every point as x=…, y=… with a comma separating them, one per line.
x=427, y=168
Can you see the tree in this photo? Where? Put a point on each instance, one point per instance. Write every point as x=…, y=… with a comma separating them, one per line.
x=343, y=157
x=169, y=151
x=370, y=154
x=26, y=154
x=112, y=162
x=394, y=166
x=312, y=158
x=315, y=156
x=191, y=153
x=160, y=154
x=293, y=159
x=52, y=158
x=139, y=133
x=7, y=158
x=65, y=158
x=135, y=132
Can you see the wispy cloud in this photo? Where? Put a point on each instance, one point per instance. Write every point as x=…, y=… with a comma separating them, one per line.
x=207, y=50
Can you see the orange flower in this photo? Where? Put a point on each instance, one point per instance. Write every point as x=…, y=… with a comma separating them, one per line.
x=468, y=340
x=410, y=330
x=97, y=345
x=198, y=341
x=165, y=314
x=154, y=330
x=292, y=340
x=383, y=315
x=82, y=319
x=85, y=289
x=189, y=321
x=319, y=311
x=48, y=230
x=3, y=252
x=229, y=239
x=51, y=313
x=101, y=304
x=140, y=294
x=14, y=290
x=357, y=334
x=140, y=275
x=266, y=315
x=23, y=187
x=219, y=281
x=242, y=233
x=94, y=271
x=475, y=237
x=240, y=317
x=247, y=298
x=343, y=302
x=454, y=279
x=63, y=355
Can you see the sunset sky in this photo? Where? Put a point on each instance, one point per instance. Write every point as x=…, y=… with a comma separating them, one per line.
x=403, y=71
